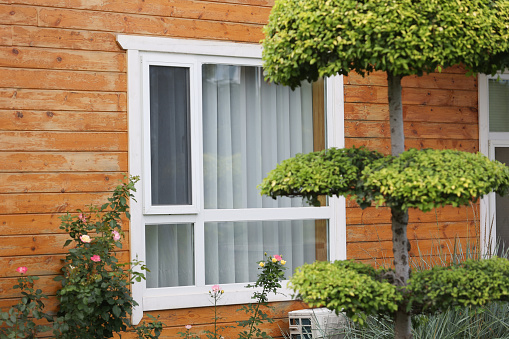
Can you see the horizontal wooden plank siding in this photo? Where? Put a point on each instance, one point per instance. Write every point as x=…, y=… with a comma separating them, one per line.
x=440, y=111
x=64, y=131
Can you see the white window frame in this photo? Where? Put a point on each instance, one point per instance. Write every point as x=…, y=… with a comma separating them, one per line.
x=488, y=141
x=142, y=51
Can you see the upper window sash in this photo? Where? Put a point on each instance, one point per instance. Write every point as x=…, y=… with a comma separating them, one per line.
x=153, y=60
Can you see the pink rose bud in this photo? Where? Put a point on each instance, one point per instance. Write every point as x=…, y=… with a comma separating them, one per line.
x=95, y=258
x=22, y=269
x=82, y=217
x=116, y=235
x=188, y=327
x=216, y=288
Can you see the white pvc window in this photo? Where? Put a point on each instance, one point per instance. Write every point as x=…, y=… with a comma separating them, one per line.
x=494, y=142
x=205, y=128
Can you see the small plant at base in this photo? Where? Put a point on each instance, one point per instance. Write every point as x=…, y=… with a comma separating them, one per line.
x=144, y=330
x=19, y=318
x=187, y=334
x=215, y=294
x=95, y=300
x=269, y=280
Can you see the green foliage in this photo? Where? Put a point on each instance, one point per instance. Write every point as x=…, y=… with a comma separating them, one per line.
x=330, y=172
x=307, y=39
x=422, y=179
x=272, y=272
x=95, y=300
x=19, y=319
x=345, y=286
x=489, y=321
x=429, y=178
x=471, y=283
x=361, y=291
x=150, y=330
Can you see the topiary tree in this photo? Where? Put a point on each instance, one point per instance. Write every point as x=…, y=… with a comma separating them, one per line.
x=308, y=39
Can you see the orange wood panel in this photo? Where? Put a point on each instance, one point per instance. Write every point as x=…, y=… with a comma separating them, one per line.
x=228, y=313
x=5, y=35
x=228, y=11
x=49, y=202
x=433, y=80
x=18, y=15
x=373, y=215
x=413, y=96
x=436, y=114
x=62, y=141
x=31, y=99
x=32, y=57
x=382, y=231
x=424, y=130
x=45, y=283
x=41, y=244
x=40, y=264
x=63, y=80
x=62, y=161
x=59, y=182
x=21, y=120
x=141, y=24
x=63, y=39
x=383, y=249
x=18, y=224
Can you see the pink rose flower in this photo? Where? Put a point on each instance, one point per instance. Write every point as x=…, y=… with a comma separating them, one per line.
x=216, y=288
x=277, y=257
x=188, y=327
x=82, y=217
x=95, y=258
x=116, y=235
x=22, y=269
x=85, y=238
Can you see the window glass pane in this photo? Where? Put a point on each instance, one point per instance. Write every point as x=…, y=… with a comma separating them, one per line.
x=249, y=126
x=170, y=142
x=169, y=255
x=233, y=248
x=499, y=105
x=502, y=204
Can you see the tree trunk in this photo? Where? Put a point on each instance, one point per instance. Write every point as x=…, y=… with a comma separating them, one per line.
x=400, y=244
x=400, y=247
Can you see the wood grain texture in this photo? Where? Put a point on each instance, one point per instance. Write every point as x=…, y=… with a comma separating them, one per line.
x=63, y=162
x=55, y=100
x=148, y=25
x=412, y=113
x=41, y=244
x=21, y=15
x=28, y=120
x=30, y=203
x=73, y=182
x=40, y=265
x=29, y=224
x=63, y=80
x=54, y=59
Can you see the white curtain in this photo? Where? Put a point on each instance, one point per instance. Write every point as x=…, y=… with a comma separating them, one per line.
x=249, y=126
x=169, y=255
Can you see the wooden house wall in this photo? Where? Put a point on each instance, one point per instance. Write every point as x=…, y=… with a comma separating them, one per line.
x=440, y=111
x=63, y=127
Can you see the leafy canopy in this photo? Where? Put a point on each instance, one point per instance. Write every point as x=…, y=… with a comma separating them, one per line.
x=422, y=179
x=307, y=39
